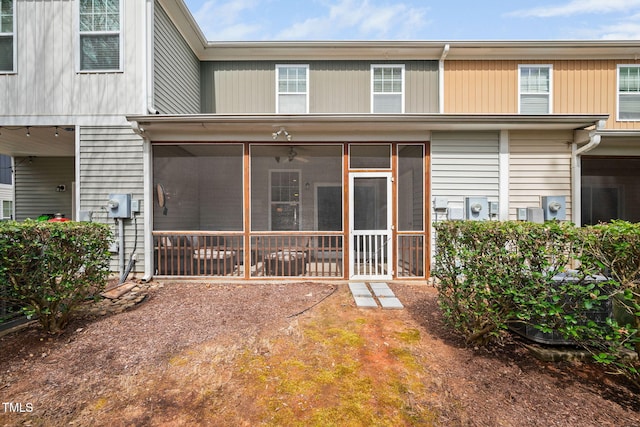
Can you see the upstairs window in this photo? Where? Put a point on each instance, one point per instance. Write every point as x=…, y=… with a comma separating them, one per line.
x=100, y=35
x=292, y=82
x=387, y=89
x=535, y=89
x=7, y=36
x=628, y=92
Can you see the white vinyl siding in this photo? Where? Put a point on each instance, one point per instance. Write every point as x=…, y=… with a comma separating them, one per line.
x=7, y=36
x=535, y=89
x=387, y=89
x=628, y=92
x=292, y=86
x=539, y=165
x=465, y=164
x=99, y=23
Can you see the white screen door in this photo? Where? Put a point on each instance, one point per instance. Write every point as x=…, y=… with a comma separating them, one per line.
x=370, y=225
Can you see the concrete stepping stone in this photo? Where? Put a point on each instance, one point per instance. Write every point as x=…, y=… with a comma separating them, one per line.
x=385, y=295
x=362, y=295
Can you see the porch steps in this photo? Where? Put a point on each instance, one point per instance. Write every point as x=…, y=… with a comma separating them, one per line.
x=381, y=293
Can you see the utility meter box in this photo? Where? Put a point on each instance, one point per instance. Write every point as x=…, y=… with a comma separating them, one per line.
x=554, y=207
x=119, y=206
x=535, y=215
x=476, y=208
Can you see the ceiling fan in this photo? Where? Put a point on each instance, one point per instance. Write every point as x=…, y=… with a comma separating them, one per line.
x=292, y=155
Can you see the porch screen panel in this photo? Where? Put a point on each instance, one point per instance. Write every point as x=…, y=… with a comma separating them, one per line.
x=610, y=189
x=410, y=188
x=292, y=184
x=370, y=156
x=201, y=186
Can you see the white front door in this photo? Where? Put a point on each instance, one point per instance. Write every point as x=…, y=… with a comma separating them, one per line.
x=370, y=226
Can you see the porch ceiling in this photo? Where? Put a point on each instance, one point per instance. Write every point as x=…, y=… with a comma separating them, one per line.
x=41, y=141
x=342, y=128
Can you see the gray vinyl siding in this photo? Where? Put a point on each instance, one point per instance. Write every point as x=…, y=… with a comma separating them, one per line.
x=334, y=86
x=36, y=180
x=111, y=161
x=176, y=69
x=46, y=82
x=539, y=165
x=465, y=164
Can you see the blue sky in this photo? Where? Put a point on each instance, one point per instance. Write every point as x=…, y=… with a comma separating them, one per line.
x=258, y=20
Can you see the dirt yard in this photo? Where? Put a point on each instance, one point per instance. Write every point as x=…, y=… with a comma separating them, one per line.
x=193, y=353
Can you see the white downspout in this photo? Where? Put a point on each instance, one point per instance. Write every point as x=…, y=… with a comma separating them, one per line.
x=445, y=52
x=149, y=46
x=576, y=168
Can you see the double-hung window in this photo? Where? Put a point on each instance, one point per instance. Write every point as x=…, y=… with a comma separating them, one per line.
x=629, y=92
x=535, y=89
x=100, y=35
x=7, y=36
x=292, y=86
x=285, y=200
x=387, y=88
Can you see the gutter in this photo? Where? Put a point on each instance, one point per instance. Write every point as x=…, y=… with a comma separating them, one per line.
x=593, y=140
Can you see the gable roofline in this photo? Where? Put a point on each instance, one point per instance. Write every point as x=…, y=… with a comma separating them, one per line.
x=207, y=50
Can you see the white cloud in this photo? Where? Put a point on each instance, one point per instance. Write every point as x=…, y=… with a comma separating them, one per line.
x=362, y=18
x=223, y=20
x=337, y=19
x=576, y=7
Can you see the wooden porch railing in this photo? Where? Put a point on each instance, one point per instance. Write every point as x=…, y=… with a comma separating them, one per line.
x=179, y=253
x=308, y=254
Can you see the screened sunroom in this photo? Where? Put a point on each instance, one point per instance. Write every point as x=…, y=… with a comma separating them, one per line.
x=260, y=210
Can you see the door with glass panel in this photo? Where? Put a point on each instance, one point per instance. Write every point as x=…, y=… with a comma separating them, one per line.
x=370, y=226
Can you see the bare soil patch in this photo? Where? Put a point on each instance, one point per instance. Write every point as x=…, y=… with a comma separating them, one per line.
x=195, y=353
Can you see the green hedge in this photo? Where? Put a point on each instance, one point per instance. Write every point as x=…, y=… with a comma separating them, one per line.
x=49, y=268
x=491, y=274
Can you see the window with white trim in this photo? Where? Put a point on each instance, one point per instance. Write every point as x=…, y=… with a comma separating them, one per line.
x=292, y=87
x=387, y=89
x=7, y=36
x=285, y=199
x=628, y=92
x=535, y=89
x=100, y=35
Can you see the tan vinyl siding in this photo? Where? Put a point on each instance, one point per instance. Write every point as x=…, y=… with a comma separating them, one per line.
x=539, y=165
x=491, y=87
x=238, y=87
x=36, y=180
x=111, y=162
x=176, y=69
x=334, y=86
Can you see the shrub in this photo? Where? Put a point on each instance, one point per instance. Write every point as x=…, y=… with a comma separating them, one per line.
x=615, y=249
x=49, y=268
x=491, y=273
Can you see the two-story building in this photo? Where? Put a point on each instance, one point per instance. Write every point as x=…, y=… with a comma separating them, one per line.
x=326, y=160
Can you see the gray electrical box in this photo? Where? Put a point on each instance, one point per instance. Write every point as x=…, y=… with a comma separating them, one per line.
x=535, y=215
x=476, y=208
x=522, y=214
x=455, y=214
x=440, y=203
x=554, y=207
x=119, y=206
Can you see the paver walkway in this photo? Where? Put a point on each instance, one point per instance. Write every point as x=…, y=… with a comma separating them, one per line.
x=362, y=295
